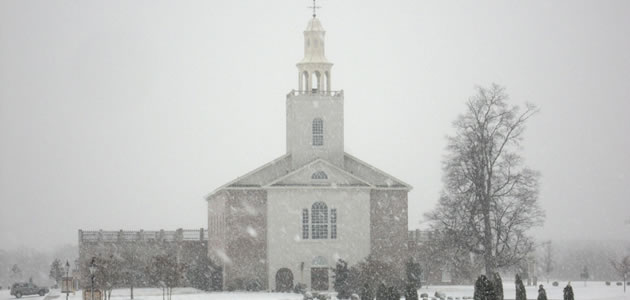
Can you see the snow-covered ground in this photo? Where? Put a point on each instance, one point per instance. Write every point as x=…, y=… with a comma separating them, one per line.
x=156, y=294
x=593, y=291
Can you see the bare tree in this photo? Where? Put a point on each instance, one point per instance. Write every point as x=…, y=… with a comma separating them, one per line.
x=442, y=254
x=132, y=267
x=16, y=273
x=489, y=199
x=167, y=272
x=56, y=272
x=623, y=269
x=547, y=259
x=108, y=274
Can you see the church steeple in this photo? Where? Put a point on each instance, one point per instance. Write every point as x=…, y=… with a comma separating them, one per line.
x=314, y=68
x=314, y=111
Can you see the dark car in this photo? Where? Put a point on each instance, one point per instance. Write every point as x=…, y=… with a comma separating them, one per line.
x=25, y=288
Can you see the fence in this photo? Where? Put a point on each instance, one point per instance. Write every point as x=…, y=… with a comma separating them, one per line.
x=142, y=235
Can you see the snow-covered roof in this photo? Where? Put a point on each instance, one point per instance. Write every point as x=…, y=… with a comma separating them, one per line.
x=278, y=173
x=371, y=174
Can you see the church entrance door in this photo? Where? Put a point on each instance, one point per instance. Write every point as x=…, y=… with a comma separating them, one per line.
x=319, y=279
x=284, y=280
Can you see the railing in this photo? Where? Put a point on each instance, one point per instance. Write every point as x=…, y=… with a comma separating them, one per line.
x=419, y=236
x=142, y=235
x=316, y=92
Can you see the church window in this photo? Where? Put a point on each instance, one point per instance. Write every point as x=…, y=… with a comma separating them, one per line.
x=319, y=261
x=305, y=224
x=319, y=175
x=333, y=223
x=319, y=220
x=318, y=132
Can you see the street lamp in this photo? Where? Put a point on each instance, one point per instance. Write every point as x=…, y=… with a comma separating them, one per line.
x=67, y=278
x=92, y=271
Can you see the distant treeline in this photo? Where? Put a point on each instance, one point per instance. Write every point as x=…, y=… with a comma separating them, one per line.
x=24, y=263
x=571, y=256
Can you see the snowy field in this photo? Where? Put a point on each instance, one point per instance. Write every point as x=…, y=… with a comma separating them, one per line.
x=593, y=291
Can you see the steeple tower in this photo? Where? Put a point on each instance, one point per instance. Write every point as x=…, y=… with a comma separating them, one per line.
x=314, y=68
x=314, y=111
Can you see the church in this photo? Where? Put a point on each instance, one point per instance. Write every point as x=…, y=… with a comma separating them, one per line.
x=290, y=220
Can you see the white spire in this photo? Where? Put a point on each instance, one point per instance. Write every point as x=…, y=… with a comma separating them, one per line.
x=314, y=68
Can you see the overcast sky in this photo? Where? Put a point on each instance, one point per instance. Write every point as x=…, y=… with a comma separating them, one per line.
x=125, y=114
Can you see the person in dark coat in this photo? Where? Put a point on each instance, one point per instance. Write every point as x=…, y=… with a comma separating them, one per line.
x=568, y=292
x=542, y=295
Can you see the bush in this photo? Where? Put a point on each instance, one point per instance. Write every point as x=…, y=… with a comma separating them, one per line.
x=619, y=284
x=253, y=285
x=320, y=296
x=440, y=295
x=607, y=282
x=370, y=273
x=299, y=288
x=555, y=283
x=414, y=273
x=411, y=293
x=236, y=285
x=521, y=293
x=341, y=278
x=498, y=285
x=244, y=284
x=484, y=289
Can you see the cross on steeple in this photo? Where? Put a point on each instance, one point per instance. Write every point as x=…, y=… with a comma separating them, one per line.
x=314, y=7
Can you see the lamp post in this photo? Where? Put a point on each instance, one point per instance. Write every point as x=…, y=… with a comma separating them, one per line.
x=67, y=278
x=92, y=271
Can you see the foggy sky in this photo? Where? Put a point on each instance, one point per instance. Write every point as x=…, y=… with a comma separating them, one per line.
x=125, y=114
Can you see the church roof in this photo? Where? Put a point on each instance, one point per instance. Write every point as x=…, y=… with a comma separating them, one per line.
x=278, y=173
x=371, y=174
x=319, y=173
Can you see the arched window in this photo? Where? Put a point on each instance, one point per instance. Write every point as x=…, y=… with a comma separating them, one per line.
x=318, y=132
x=319, y=261
x=319, y=175
x=319, y=220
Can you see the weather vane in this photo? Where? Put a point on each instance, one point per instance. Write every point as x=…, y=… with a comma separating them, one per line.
x=314, y=7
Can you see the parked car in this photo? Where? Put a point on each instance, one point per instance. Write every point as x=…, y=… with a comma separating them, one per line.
x=26, y=288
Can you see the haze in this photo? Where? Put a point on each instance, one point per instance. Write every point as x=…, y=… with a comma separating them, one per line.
x=125, y=114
